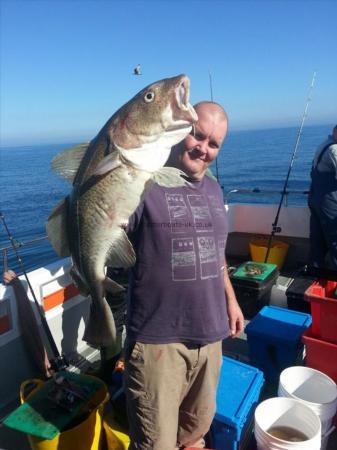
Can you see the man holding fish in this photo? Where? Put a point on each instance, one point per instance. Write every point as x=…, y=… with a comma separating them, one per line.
x=181, y=302
x=110, y=175
x=126, y=210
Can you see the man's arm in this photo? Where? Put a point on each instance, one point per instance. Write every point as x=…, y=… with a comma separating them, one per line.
x=235, y=316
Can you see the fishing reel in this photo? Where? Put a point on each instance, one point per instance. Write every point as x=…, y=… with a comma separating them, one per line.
x=276, y=229
x=59, y=363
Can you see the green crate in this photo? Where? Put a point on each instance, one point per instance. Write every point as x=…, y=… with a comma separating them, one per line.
x=246, y=271
x=41, y=417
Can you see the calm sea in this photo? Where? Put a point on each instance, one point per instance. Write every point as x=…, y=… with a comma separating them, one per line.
x=249, y=159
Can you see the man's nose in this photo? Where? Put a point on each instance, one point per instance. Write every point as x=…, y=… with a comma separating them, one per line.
x=202, y=147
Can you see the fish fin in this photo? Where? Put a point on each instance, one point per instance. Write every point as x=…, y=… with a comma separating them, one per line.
x=121, y=252
x=57, y=229
x=66, y=163
x=108, y=164
x=100, y=330
x=170, y=177
x=112, y=286
x=81, y=285
x=209, y=173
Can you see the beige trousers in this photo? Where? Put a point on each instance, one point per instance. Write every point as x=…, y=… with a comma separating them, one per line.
x=171, y=390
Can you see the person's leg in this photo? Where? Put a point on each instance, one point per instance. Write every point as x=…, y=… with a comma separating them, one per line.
x=333, y=253
x=199, y=404
x=318, y=244
x=155, y=379
x=330, y=233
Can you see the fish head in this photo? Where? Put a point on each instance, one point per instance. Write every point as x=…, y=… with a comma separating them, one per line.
x=158, y=117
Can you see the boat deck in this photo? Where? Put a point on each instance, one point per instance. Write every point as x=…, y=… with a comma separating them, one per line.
x=235, y=348
x=238, y=349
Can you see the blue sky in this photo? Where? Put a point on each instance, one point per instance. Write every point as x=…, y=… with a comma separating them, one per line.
x=66, y=66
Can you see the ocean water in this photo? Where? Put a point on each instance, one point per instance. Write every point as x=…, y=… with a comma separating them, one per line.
x=249, y=159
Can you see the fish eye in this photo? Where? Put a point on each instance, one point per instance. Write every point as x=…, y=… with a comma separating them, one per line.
x=149, y=97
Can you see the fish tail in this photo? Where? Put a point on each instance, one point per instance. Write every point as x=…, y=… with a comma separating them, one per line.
x=100, y=330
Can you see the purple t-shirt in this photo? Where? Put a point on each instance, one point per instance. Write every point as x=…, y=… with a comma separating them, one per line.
x=176, y=291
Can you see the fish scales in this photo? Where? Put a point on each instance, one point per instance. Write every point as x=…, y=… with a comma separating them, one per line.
x=110, y=176
x=114, y=208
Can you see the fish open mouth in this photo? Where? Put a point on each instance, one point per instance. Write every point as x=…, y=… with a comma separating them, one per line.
x=182, y=126
x=182, y=93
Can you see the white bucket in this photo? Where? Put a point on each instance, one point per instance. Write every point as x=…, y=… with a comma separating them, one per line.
x=286, y=412
x=326, y=437
x=314, y=389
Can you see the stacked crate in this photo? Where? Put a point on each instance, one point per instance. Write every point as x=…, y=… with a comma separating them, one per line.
x=252, y=283
x=237, y=396
x=321, y=338
x=274, y=340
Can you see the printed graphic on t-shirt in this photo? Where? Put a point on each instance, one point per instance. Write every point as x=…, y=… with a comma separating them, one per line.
x=178, y=212
x=221, y=252
x=183, y=259
x=217, y=206
x=200, y=212
x=209, y=267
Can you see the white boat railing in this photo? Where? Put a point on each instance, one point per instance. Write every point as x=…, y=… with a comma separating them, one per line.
x=4, y=251
x=266, y=192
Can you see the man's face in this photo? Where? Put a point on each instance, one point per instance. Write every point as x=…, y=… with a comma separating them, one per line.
x=202, y=146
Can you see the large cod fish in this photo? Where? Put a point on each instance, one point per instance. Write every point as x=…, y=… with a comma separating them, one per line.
x=110, y=176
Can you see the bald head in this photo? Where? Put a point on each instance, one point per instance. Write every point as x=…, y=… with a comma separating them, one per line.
x=212, y=108
x=202, y=145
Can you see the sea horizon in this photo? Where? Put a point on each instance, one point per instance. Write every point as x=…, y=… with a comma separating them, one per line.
x=74, y=141
x=249, y=160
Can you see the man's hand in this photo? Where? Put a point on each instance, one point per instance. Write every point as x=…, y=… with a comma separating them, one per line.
x=235, y=317
x=9, y=276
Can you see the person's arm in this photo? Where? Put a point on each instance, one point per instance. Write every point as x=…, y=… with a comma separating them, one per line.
x=9, y=276
x=235, y=316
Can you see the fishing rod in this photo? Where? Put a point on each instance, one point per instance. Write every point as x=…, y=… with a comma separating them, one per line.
x=24, y=243
x=275, y=228
x=210, y=84
x=58, y=362
x=216, y=159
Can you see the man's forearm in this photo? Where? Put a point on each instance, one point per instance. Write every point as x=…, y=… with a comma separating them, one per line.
x=229, y=291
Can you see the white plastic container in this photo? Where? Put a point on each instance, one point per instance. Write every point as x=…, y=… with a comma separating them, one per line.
x=286, y=412
x=314, y=389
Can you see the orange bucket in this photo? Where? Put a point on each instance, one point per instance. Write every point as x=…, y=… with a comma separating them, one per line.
x=277, y=254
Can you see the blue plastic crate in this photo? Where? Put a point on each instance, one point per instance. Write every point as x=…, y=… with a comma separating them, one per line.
x=274, y=338
x=237, y=396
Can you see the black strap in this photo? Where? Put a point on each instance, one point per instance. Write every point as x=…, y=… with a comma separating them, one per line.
x=324, y=149
x=322, y=152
